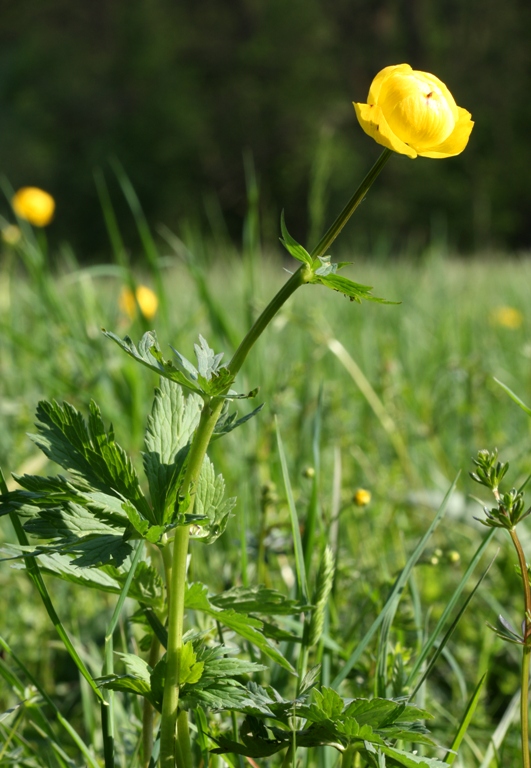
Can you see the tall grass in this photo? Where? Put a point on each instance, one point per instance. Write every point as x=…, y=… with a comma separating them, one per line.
x=394, y=399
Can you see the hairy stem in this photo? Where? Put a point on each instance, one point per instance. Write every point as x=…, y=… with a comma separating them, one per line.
x=177, y=585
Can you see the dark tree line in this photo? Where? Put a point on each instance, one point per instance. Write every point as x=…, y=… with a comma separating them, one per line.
x=179, y=91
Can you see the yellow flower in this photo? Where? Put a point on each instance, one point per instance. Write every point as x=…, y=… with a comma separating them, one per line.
x=361, y=497
x=146, y=299
x=507, y=317
x=35, y=205
x=414, y=113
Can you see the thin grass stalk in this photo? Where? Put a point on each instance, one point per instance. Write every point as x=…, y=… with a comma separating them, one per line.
x=63, y=721
x=107, y=707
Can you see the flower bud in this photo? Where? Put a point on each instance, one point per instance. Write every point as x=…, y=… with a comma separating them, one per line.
x=414, y=113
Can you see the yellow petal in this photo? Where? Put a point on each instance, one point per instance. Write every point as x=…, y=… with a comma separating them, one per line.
x=376, y=85
x=419, y=109
x=34, y=205
x=456, y=141
x=374, y=124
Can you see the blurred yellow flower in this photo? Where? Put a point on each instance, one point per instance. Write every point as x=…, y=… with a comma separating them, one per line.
x=362, y=497
x=11, y=234
x=146, y=299
x=507, y=317
x=35, y=205
x=414, y=113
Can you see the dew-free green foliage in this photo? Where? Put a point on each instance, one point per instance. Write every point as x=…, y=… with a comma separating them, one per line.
x=428, y=363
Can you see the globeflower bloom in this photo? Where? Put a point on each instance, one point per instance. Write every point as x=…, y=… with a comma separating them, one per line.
x=35, y=205
x=144, y=297
x=414, y=113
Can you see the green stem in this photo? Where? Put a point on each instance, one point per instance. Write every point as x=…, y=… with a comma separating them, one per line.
x=209, y=417
x=183, y=736
x=303, y=274
x=524, y=697
x=525, y=581
x=524, y=707
x=330, y=235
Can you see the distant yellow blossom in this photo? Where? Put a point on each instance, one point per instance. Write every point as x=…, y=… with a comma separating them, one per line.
x=414, y=113
x=11, y=234
x=362, y=497
x=146, y=299
x=507, y=317
x=35, y=205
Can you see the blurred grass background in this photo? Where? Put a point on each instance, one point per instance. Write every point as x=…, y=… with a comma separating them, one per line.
x=179, y=91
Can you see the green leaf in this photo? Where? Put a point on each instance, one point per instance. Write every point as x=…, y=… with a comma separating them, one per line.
x=88, y=452
x=259, y=599
x=170, y=428
x=326, y=268
x=190, y=669
x=196, y=598
x=210, y=504
x=292, y=246
x=227, y=422
x=76, y=530
x=149, y=354
x=354, y=291
x=409, y=760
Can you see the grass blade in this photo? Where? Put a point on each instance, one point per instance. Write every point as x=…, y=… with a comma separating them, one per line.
x=465, y=722
x=297, y=542
x=66, y=725
x=451, y=629
x=514, y=397
x=449, y=608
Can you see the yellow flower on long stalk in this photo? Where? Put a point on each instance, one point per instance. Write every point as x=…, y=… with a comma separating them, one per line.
x=145, y=298
x=414, y=113
x=34, y=205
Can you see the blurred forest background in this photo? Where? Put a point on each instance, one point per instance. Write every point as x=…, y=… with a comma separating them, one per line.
x=187, y=94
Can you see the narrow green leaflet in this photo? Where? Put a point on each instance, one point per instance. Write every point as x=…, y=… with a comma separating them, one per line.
x=354, y=291
x=211, y=504
x=170, y=428
x=148, y=353
x=227, y=422
x=292, y=246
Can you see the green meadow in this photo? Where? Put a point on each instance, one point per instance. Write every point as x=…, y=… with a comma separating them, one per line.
x=395, y=399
